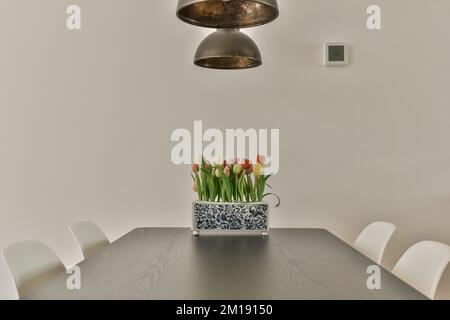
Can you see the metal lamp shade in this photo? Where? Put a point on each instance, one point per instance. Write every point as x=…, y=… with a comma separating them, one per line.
x=228, y=49
x=227, y=14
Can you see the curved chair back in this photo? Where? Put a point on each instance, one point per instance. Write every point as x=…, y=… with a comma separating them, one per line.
x=27, y=260
x=422, y=266
x=373, y=240
x=89, y=236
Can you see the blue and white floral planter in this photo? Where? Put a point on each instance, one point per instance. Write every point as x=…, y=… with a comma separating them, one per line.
x=230, y=217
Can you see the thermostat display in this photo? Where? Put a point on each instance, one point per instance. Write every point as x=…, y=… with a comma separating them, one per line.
x=336, y=54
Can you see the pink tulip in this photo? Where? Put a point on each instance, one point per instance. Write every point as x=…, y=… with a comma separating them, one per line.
x=227, y=171
x=261, y=159
x=195, y=168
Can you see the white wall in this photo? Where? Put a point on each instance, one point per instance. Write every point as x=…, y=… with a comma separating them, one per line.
x=86, y=117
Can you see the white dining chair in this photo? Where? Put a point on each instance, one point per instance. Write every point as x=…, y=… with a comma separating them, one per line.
x=373, y=240
x=30, y=261
x=422, y=266
x=89, y=236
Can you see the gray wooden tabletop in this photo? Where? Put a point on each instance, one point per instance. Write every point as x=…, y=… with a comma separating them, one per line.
x=172, y=264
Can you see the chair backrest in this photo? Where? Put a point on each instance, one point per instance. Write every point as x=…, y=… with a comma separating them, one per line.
x=373, y=240
x=28, y=260
x=422, y=266
x=8, y=289
x=89, y=236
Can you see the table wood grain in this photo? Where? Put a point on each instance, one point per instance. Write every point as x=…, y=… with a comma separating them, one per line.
x=172, y=264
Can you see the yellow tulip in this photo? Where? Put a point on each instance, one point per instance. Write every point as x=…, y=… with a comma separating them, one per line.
x=258, y=170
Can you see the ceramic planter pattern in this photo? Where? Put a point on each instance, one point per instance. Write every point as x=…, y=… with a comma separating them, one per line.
x=212, y=216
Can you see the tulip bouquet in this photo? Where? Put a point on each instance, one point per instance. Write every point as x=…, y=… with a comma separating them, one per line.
x=231, y=181
x=230, y=196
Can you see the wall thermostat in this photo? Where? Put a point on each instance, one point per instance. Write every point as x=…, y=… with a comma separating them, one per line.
x=336, y=54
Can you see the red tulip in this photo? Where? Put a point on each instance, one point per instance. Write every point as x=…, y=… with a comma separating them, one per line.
x=195, y=168
x=247, y=166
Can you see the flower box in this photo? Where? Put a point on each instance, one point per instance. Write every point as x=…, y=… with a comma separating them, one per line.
x=230, y=217
x=231, y=196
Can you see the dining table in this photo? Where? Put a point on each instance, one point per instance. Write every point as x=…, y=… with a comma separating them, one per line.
x=172, y=264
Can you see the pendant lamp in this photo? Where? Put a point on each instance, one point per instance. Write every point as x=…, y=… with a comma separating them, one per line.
x=227, y=14
x=228, y=49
